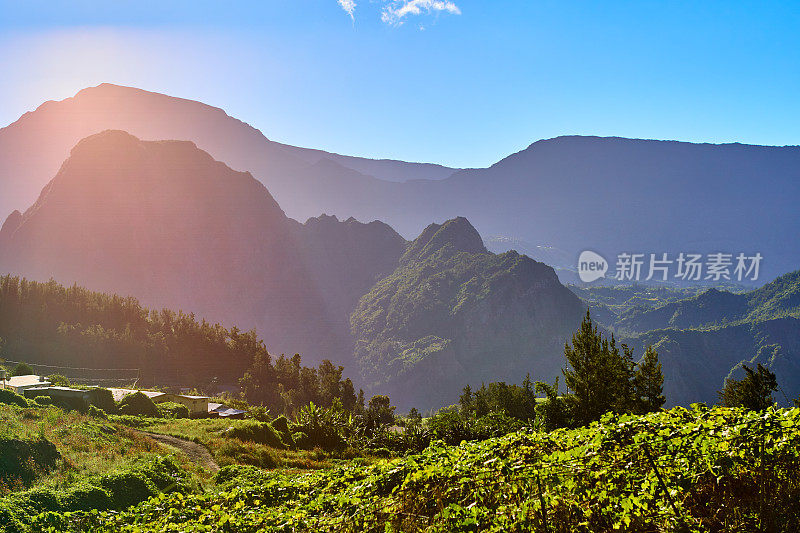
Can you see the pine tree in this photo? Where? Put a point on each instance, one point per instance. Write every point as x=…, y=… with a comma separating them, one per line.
x=648, y=383
x=754, y=391
x=595, y=373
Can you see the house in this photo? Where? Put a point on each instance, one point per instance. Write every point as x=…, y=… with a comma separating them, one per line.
x=69, y=395
x=19, y=383
x=197, y=405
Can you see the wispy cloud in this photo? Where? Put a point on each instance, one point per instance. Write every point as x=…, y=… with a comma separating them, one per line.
x=349, y=7
x=399, y=9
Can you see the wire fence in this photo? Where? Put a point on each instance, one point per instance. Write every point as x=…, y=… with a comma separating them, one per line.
x=86, y=375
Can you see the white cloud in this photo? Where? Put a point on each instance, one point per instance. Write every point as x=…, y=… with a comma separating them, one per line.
x=399, y=9
x=349, y=7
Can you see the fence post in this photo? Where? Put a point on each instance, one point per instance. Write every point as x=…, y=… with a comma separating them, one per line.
x=542, y=503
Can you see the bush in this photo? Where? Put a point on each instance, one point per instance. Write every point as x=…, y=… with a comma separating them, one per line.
x=10, y=397
x=103, y=399
x=94, y=412
x=42, y=401
x=235, y=451
x=23, y=460
x=36, y=501
x=173, y=410
x=449, y=426
x=259, y=432
x=281, y=425
x=241, y=476
x=22, y=370
x=58, y=380
x=86, y=498
x=496, y=425
x=8, y=519
x=138, y=404
x=165, y=474
x=128, y=488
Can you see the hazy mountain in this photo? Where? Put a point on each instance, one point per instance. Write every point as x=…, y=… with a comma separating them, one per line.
x=33, y=148
x=570, y=193
x=167, y=223
x=453, y=313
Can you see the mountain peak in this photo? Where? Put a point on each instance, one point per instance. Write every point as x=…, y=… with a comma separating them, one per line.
x=456, y=234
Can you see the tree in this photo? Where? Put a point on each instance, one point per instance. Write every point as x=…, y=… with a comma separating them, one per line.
x=648, y=383
x=59, y=380
x=465, y=401
x=380, y=411
x=597, y=375
x=753, y=391
x=22, y=370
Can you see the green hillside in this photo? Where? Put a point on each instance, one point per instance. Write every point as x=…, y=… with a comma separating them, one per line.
x=453, y=313
x=678, y=470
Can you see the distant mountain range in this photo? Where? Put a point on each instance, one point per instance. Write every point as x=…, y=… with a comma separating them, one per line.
x=568, y=194
x=165, y=222
x=704, y=338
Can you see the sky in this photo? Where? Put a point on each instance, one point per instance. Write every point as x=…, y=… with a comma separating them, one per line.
x=458, y=82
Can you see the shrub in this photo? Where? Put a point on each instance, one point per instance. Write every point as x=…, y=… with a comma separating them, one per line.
x=259, y=432
x=94, y=412
x=127, y=488
x=449, y=426
x=86, y=498
x=8, y=519
x=173, y=410
x=10, y=397
x=235, y=451
x=241, y=476
x=42, y=401
x=36, y=501
x=22, y=370
x=281, y=425
x=496, y=424
x=23, y=460
x=138, y=404
x=165, y=474
x=58, y=380
x=103, y=399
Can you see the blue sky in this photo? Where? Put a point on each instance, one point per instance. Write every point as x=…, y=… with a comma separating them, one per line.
x=458, y=82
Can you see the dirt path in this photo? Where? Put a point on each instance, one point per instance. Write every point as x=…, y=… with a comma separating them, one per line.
x=197, y=453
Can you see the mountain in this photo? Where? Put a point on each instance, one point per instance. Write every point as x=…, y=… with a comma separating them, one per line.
x=167, y=223
x=703, y=338
x=568, y=193
x=453, y=313
x=779, y=298
x=33, y=147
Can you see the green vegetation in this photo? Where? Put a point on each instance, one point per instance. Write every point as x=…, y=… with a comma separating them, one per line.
x=679, y=470
x=448, y=304
x=287, y=386
x=52, y=324
x=753, y=391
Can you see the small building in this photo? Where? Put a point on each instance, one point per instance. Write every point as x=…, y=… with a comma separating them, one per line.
x=19, y=383
x=197, y=405
x=73, y=397
x=223, y=411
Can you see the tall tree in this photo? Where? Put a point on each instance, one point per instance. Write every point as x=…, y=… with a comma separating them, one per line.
x=648, y=383
x=596, y=374
x=753, y=391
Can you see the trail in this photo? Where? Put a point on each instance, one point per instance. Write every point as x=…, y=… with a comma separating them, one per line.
x=197, y=453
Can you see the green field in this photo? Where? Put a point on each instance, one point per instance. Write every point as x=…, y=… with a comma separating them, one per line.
x=678, y=470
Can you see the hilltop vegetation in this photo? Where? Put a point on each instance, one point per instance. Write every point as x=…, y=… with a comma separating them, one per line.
x=453, y=313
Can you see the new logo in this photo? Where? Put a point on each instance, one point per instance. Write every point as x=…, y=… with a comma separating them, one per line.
x=591, y=266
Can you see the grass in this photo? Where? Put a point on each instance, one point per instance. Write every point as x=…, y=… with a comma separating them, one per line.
x=88, y=446
x=228, y=451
